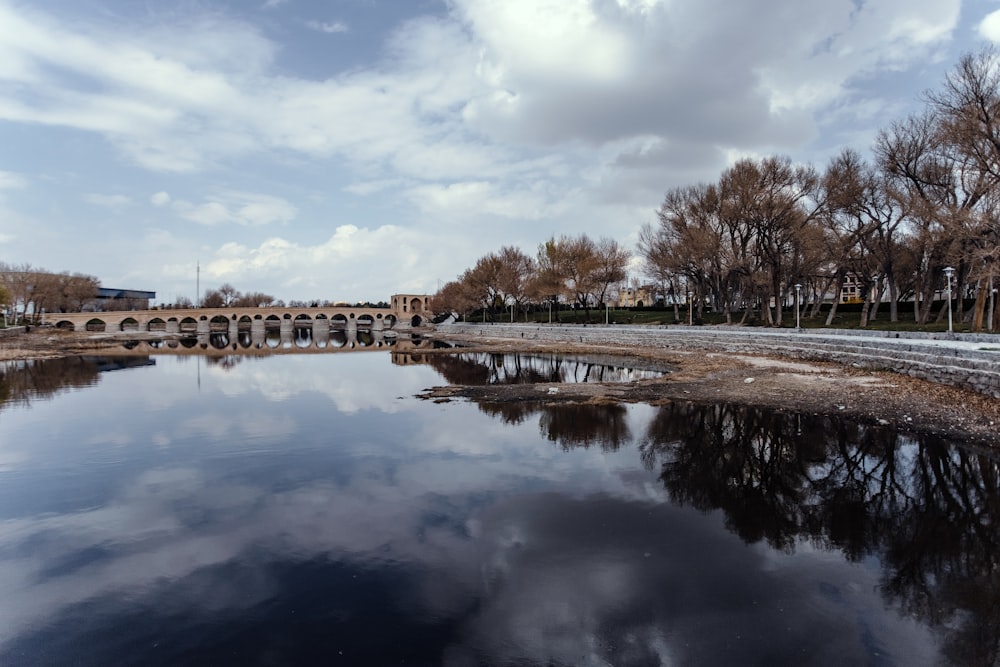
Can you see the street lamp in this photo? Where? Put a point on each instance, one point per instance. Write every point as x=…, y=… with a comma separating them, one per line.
x=690, y=310
x=798, y=290
x=948, y=271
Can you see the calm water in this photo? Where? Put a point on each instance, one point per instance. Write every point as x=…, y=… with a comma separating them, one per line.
x=306, y=509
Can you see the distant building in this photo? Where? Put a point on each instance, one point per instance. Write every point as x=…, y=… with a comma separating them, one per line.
x=853, y=289
x=632, y=297
x=108, y=299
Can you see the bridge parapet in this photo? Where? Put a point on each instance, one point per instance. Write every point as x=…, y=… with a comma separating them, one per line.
x=411, y=311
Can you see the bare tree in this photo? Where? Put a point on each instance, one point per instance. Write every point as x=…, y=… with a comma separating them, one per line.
x=612, y=265
x=455, y=297
x=516, y=274
x=776, y=199
x=967, y=110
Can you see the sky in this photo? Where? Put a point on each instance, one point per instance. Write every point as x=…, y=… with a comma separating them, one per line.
x=348, y=150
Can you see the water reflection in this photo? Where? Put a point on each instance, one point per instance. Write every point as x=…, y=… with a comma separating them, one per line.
x=295, y=340
x=24, y=380
x=485, y=368
x=926, y=510
x=268, y=520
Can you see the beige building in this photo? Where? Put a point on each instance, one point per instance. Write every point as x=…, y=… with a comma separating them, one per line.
x=632, y=297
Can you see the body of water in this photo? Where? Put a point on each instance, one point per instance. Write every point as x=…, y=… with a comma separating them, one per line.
x=307, y=509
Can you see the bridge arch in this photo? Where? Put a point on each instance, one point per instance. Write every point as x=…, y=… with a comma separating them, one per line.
x=96, y=324
x=157, y=324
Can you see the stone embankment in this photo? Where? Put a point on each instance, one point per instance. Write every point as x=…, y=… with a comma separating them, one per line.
x=966, y=361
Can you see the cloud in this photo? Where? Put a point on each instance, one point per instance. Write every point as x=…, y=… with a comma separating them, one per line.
x=329, y=28
x=10, y=181
x=185, y=97
x=241, y=208
x=989, y=27
x=460, y=201
x=108, y=201
x=349, y=262
x=519, y=118
x=271, y=4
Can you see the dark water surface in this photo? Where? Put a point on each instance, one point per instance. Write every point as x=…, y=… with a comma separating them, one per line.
x=306, y=509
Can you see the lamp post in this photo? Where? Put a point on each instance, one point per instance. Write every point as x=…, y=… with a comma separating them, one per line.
x=948, y=271
x=798, y=290
x=690, y=310
x=550, y=311
x=607, y=313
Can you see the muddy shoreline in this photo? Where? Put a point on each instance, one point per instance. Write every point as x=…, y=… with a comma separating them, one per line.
x=706, y=376
x=697, y=375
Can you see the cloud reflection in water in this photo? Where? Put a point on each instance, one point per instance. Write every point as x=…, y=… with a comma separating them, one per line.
x=437, y=533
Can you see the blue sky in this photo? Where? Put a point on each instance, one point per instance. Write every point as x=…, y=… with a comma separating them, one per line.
x=352, y=149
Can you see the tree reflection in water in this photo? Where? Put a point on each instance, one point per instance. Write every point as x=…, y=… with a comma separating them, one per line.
x=24, y=380
x=569, y=425
x=488, y=368
x=925, y=509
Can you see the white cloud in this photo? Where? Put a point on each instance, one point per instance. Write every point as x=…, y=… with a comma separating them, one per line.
x=327, y=27
x=461, y=201
x=989, y=27
x=108, y=201
x=271, y=4
x=161, y=198
x=10, y=181
x=242, y=208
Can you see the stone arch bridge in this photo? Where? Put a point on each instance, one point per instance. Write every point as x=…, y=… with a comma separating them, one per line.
x=405, y=312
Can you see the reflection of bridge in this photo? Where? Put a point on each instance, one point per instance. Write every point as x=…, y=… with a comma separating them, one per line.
x=406, y=311
x=260, y=343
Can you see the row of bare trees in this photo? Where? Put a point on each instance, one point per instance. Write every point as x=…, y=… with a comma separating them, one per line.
x=929, y=199
x=28, y=291
x=575, y=270
x=226, y=295
x=770, y=231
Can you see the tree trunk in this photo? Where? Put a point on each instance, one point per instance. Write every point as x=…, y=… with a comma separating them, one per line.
x=818, y=303
x=928, y=305
x=893, y=299
x=864, y=308
x=941, y=313
x=778, y=302
x=979, y=310
x=995, y=312
x=836, y=302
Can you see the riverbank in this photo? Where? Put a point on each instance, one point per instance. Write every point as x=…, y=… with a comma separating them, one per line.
x=721, y=368
x=702, y=370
